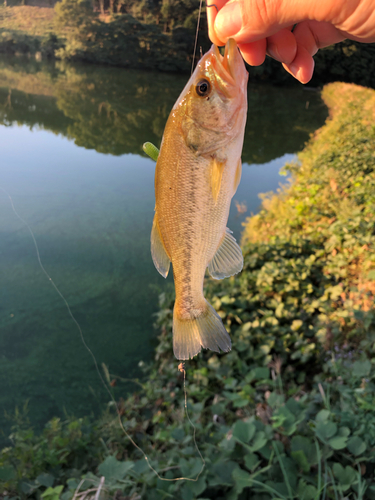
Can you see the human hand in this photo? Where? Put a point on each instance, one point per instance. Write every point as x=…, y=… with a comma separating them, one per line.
x=263, y=27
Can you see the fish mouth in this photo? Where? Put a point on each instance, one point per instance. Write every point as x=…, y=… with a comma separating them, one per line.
x=229, y=69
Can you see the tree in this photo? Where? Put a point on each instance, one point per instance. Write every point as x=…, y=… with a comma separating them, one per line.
x=75, y=15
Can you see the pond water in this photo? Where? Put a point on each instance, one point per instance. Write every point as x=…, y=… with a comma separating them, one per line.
x=71, y=159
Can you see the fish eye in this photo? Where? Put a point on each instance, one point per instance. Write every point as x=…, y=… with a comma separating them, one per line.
x=203, y=88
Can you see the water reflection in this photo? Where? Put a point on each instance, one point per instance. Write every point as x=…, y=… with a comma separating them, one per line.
x=114, y=111
x=92, y=213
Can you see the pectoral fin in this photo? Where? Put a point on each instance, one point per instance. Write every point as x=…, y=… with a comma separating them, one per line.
x=228, y=258
x=237, y=177
x=216, y=173
x=158, y=252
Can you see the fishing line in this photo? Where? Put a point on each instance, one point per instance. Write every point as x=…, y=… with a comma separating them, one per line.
x=197, y=30
x=196, y=36
x=57, y=290
x=181, y=366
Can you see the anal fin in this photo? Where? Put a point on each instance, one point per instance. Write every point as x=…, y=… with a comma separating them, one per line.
x=159, y=255
x=228, y=259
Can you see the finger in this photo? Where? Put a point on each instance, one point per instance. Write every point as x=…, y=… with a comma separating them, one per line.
x=302, y=67
x=249, y=20
x=254, y=53
x=282, y=46
x=315, y=35
x=212, y=8
x=310, y=36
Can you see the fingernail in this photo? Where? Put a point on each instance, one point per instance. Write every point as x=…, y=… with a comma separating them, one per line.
x=228, y=20
x=273, y=52
x=294, y=69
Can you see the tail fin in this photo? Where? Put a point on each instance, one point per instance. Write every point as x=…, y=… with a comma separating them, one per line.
x=206, y=330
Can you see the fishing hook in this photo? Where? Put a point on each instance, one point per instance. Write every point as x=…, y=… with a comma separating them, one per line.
x=212, y=5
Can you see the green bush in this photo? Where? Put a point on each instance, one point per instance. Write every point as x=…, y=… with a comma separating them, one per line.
x=125, y=41
x=34, y=462
x=76, y=16
x=12, y=42
x=122, y=41
x=347, y=61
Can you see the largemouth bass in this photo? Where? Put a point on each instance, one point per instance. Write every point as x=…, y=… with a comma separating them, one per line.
x=197, y=173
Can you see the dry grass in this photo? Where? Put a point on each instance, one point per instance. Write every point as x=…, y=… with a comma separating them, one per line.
x=36, y=21
x=350, y=93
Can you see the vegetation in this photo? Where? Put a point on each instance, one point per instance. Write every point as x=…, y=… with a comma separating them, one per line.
x=35, y=22
x=151, y=34
x=129, y=39
x=28, y=30
x=289, y=412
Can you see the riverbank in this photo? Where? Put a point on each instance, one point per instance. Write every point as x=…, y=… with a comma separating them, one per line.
x=73, y=31
x=289, y=412
x=154, y=36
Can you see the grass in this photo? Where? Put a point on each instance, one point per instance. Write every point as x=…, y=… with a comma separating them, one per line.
x=33, y=21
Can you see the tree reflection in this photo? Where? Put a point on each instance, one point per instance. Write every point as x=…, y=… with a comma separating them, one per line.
x=114, y=110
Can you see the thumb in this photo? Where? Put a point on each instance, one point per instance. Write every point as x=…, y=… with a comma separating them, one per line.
x=250, y=20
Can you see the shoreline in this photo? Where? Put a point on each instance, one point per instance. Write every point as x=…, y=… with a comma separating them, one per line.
x=134, y=42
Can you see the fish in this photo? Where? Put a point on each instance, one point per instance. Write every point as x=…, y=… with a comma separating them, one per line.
x=197, y=173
